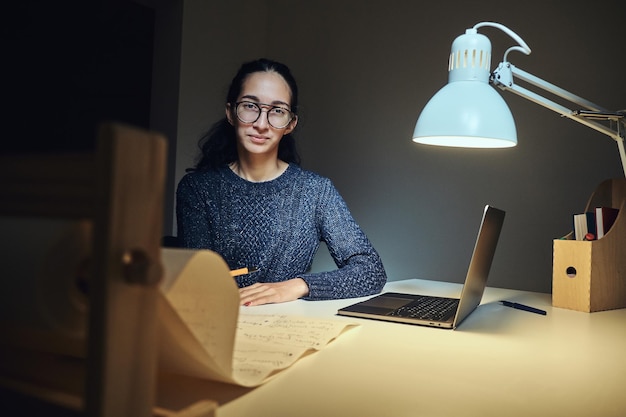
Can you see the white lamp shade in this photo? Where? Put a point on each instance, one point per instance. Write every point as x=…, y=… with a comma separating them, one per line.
x=466, y=114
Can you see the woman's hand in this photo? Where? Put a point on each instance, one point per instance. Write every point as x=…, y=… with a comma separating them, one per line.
x=273, y=292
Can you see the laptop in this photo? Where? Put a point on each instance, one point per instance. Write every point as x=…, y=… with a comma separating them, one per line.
x=434, y=311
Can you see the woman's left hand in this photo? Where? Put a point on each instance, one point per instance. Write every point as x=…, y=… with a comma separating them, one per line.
x=273, y=292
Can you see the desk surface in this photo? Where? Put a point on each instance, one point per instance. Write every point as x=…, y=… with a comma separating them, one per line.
x=499, y=362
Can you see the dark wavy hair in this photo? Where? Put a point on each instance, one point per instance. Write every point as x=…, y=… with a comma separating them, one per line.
x=219, y=144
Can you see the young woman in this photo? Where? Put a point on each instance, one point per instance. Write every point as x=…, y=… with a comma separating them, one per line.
x=250, y=201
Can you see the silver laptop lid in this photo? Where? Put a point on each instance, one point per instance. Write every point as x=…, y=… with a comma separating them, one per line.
x=480, y=263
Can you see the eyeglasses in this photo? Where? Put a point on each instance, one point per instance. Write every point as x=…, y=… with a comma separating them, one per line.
x=277, y=117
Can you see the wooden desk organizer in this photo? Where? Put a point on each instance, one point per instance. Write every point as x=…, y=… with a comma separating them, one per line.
x=591, y=275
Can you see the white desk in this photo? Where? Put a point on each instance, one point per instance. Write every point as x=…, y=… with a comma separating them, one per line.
x=499, y=362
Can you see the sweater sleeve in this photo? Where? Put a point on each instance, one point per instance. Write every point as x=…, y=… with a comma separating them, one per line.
x=360, y=271
x=191, y=221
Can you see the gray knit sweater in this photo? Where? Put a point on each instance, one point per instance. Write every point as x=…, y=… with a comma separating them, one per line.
x=277, y=226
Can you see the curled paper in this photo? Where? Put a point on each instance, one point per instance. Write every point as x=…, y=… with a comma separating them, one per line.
x=203, y=335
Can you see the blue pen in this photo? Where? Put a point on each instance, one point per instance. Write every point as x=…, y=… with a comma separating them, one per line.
x=523, y=307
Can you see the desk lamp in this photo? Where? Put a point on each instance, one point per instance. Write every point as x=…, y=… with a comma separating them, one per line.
x=468, y=112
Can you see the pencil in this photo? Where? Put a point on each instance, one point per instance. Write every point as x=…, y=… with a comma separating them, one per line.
x=242, y=271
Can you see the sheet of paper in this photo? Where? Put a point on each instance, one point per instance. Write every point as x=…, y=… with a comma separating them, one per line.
x=266, y=344
x=202, y=334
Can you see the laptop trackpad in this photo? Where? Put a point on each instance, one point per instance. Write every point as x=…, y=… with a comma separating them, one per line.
x=379, y=305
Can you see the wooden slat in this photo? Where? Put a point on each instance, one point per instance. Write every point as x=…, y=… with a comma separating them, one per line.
x=122, y=342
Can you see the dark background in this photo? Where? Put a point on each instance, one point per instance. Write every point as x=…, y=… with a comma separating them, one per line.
x=69, y=65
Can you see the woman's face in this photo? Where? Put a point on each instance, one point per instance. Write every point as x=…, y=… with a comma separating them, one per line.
x=266, y=89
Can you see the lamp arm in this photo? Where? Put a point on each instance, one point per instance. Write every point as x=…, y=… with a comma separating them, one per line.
x=503, y=78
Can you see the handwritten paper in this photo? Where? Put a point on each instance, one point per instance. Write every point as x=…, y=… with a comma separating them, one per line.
x=202, y=334
x=266, y=344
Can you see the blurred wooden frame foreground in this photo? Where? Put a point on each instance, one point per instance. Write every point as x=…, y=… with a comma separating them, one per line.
x=119, y=189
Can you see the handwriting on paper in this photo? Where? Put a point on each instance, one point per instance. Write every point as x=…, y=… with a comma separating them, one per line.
x=288, y=330
x=266, y=344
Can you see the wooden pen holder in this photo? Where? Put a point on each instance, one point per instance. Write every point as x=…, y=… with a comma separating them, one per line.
x=591, y=275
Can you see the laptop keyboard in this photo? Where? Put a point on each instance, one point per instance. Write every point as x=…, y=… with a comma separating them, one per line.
x=428, y=308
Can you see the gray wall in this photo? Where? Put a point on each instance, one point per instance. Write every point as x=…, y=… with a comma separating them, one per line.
x=366, y=68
